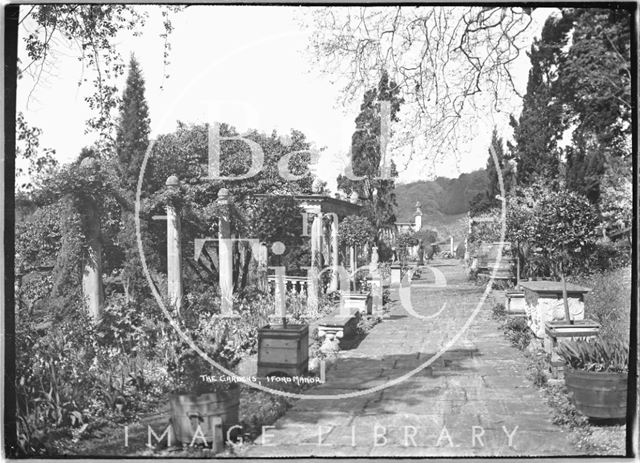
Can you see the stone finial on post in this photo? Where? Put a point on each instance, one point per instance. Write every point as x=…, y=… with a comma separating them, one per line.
x=418, y=218
x=174, y=252
x=225, y=273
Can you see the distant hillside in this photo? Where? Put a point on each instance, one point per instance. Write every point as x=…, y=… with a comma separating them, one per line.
x=445, y=201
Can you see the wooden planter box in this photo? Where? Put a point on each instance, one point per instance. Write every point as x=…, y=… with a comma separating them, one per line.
x=283, y=349
x=600, y=395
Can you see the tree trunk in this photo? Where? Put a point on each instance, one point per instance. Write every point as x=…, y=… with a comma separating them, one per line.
x=567, y=315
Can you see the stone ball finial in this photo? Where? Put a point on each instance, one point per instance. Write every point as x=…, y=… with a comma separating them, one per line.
x=173, y=182
x=88, y=163
x=354, y=197
x=316, y=186
x=223, y=193
x=418, y=205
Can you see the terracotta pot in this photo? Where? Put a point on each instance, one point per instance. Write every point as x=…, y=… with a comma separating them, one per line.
x=600, y=395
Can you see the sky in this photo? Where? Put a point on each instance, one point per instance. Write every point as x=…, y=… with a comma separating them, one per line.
x=246, y=65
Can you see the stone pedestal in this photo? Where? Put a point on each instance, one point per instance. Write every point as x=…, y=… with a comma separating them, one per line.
x=516, y=305
x=376, y=293
x=396, y=274
x=355, y=302
x=283, y=349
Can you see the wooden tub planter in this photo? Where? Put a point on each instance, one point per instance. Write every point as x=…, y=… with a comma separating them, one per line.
x=214, y=413
x=599, y=395
x=283, y=349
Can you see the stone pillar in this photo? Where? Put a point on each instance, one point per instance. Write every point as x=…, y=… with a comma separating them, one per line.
x=352, y=259
x=316, y=237
x=451, y=246
x=263, y=264
x=92, y=266
x=418, y=218
x=92, y=271
x=376, y=281
x=466, y=249
x=174, y=253
x=225, y=271
x=313, y=285
x=334, y=255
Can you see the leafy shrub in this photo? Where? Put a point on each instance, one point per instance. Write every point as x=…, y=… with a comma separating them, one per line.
x=609, y=302
x=565, y=412
x=539, y=371
x=355, y=230
x=517, y=332
x=499, y=311
x=554, y=231
x=596, y=354
x=609, y=256
x=366, y=324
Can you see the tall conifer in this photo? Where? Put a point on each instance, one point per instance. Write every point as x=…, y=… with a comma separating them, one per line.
x=132, y=136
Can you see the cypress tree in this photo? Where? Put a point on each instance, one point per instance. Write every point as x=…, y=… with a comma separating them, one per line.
x=132, y=140
x=378, y=195
x=132, y=136
x=541, y=124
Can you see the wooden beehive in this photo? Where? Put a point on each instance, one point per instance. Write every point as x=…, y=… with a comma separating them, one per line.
x=283, y=349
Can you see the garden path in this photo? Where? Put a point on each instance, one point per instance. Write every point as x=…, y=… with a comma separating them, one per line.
x=475, y=400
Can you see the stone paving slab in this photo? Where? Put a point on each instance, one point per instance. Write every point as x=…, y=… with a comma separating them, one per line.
x=473, y=401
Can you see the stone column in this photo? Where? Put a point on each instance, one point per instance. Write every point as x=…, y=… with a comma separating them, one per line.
x=451, y=246
x=174, y=253
x=316, y=236
x=92, y=266
x=352, y=259
x=225, y=271
x=92, y=271
x=376, y=281
x=313, y=285
x=334, y=255
x=466, y=249
x=418, y=218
